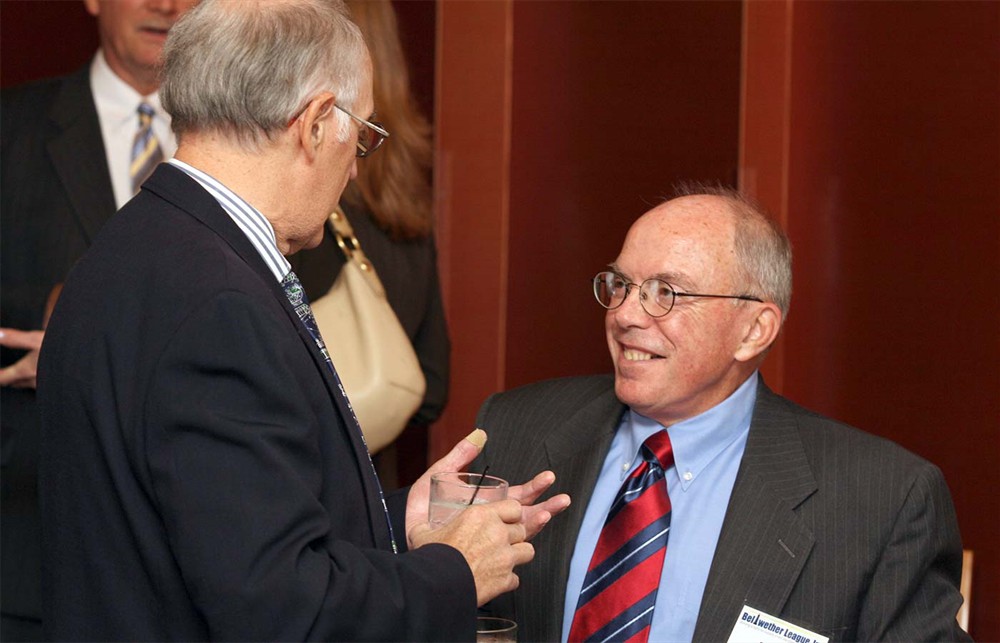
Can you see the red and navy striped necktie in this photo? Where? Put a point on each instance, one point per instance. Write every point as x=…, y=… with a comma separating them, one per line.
x=619, y=590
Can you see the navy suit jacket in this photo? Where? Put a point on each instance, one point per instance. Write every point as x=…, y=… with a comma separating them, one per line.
x=200, y=478
x=827, y=527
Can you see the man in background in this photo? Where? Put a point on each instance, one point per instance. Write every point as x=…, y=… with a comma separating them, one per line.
x=203, y=475
x=74, y=149
x=705, y=505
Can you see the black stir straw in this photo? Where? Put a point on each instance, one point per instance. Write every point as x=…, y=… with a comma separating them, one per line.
x=482, y=476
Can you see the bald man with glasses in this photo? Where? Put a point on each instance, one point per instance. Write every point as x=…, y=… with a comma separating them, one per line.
x=706, y=507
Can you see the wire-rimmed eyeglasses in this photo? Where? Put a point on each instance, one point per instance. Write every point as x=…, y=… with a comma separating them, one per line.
x=370, y=137
x=656, y=296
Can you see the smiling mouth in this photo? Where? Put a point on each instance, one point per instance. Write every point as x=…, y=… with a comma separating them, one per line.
x=156, y=31
x=635, y=355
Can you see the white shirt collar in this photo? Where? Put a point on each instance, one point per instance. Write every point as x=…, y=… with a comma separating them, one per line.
x=116, y=98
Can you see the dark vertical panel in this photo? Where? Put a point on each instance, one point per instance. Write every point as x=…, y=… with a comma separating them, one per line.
x=604, y=120
x=894, y=208
x=471, y=181
x=416, y=19
x=764, y=112
x=40, y=39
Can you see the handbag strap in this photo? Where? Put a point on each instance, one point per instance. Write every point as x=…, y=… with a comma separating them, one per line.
x=352, y=250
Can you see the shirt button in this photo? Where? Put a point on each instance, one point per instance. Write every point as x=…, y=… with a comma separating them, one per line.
x=625, y=467
x=688, y=476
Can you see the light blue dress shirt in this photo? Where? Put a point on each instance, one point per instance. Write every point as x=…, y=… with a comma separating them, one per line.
x=707, y=453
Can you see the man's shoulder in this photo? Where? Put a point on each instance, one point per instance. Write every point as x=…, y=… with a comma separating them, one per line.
x=548, y=400
x=572, y=391
x=828, y=440
x=27, y=106
x=42, y=91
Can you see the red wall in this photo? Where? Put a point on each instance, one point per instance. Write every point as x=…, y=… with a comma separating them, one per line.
x=886, y=168
x=602, y=127
x=551, y=142
x=39, y=39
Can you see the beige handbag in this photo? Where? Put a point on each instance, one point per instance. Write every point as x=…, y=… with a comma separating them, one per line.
x=370, y=350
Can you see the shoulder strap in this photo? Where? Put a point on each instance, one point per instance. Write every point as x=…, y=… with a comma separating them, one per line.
x=351, y=248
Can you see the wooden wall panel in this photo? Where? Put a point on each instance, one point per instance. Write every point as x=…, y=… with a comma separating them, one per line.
x=472, y=184
x=40, y=39
x=604, y=123
x=891, y=193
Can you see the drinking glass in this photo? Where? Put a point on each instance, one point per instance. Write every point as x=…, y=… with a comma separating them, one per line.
x=490, y=629
x=452, y=492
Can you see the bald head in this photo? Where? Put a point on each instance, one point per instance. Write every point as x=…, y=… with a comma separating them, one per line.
x=760, y=249
x=708, y=304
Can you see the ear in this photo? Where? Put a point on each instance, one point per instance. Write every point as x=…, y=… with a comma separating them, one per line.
x=760, y=333
x=317, y=124
x=92, y=6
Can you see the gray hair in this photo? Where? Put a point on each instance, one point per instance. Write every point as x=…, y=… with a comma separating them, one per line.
x=763, y=251
x=245, y=69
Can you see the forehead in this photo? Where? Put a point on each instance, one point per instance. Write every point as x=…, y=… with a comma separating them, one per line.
x=689, y=239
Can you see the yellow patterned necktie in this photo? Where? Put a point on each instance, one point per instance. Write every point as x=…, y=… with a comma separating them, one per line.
x=146, y=151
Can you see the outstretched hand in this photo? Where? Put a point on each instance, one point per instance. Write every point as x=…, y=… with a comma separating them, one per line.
x=24, y=372
x=458, y=458
x=533, y=516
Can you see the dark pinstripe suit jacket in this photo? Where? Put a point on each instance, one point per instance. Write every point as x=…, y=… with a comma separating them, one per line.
x=56, y=194
x=842, y=532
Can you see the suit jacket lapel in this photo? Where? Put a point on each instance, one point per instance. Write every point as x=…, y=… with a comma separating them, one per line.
x=87, y=184
x=173, y=185
x=578, y=462
x=763, y=544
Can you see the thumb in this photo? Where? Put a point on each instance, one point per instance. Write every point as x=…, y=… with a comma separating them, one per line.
x=462, y=454
x=24, y=339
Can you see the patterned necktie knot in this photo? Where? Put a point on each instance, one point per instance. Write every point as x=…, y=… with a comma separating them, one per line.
x=146, y=113
x=658, y=446
x=146, y=151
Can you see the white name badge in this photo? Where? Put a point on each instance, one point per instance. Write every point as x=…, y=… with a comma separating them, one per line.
x=754, y=626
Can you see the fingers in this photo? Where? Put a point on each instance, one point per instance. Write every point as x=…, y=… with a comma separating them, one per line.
x=10, y=376
x=418, y=535
x=516, y=533
x=523, y=553
x=462, y=454
x=531, y=490
x=24, y=339
x=537, y=516
x=21, y=374
x=509, y=510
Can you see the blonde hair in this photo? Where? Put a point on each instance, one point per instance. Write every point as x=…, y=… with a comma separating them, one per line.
x=394, y=183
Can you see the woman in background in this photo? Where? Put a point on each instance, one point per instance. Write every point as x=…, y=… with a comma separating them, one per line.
x=389, y=207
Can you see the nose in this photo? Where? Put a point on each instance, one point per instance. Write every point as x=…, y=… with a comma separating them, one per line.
x=631, y=312
x=169, y=7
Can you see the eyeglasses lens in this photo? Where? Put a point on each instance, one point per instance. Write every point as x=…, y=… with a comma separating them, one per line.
x=609, y=289
x=369, y=140
x=655, y=296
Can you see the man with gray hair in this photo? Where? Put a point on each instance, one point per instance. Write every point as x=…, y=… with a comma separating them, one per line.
x=706, y=507
x=203, y=474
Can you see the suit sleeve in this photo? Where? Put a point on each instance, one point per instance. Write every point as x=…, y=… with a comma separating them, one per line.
x=236, y=471
x=914, y=591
